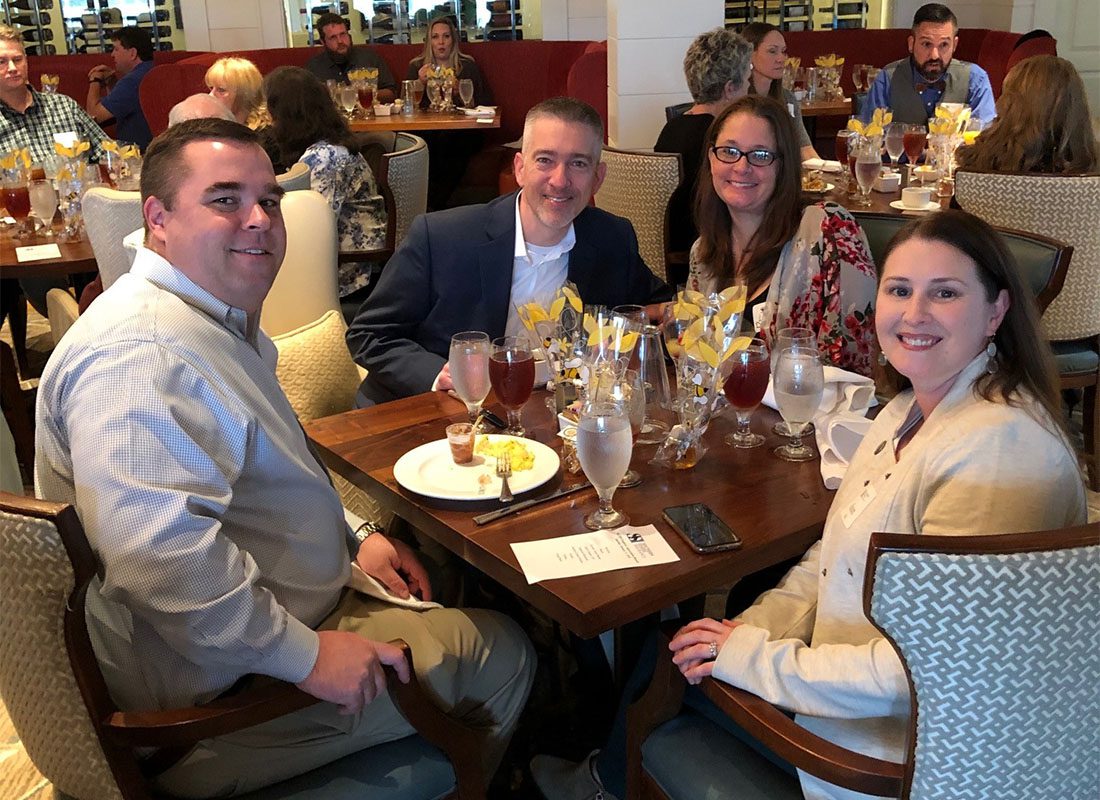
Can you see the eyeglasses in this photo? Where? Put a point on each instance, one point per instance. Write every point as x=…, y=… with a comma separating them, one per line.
x=731, y=155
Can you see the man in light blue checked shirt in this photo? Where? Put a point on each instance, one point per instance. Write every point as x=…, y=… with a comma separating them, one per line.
x=224, y=548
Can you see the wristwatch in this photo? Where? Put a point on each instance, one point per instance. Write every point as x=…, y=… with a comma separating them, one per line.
x=367, y=529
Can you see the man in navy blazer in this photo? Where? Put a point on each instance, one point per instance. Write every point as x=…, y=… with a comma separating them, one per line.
x=468, y=268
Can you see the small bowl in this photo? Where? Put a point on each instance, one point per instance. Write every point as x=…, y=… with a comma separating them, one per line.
x=888, y=182
x=383, y=111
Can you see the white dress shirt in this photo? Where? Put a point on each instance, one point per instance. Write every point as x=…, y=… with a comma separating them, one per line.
x=537, y=272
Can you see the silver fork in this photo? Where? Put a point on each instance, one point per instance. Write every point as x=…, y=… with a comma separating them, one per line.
x=504, y=471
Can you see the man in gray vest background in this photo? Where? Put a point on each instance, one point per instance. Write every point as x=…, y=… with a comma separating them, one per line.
x=912, y=87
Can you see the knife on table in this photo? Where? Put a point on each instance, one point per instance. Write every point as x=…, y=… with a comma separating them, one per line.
x=492, y=516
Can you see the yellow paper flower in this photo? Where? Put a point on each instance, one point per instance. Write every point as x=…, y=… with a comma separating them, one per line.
x=110, y=145
x=794, y=62
x=829, y=60
x=8, y=161
x=880, y=118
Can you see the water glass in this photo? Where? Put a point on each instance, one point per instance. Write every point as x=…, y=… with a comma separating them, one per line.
x=469, y=364
x=798, y=380
x=868, y=167
x=44, y=203
x=784, y=338
x=628, y=392
x=895, y=142
x=654, y=378
x=604, y=449
x=512, y=374
x=466, y=92
x=746, y=380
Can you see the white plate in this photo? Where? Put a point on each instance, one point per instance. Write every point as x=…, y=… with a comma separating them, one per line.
x=429, y=470
x=827, y=188
x=933, y=205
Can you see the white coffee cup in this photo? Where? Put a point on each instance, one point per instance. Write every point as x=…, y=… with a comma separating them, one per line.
x=916, y=196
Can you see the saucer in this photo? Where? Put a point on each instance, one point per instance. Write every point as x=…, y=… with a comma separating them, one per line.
x=933, y=205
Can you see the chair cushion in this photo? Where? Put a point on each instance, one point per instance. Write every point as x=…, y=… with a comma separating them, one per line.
x=691, y=758
x=408, y=769
x=1075, y=357
x=315, y=368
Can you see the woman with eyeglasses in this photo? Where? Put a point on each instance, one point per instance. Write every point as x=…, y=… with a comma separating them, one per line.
x=805, y=266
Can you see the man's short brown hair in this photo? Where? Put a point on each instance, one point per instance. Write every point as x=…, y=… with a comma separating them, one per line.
x=164, y=170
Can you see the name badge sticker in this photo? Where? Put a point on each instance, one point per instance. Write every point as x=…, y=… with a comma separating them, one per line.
x=858, y=506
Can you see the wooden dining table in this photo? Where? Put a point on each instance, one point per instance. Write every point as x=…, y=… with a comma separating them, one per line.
x=75, y=257
x=421, y=120
x=827, y=108
x=777, y=507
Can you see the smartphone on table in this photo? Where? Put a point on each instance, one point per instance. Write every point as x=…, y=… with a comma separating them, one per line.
x=702, y=528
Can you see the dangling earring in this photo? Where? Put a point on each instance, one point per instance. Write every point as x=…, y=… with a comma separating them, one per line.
x=882, y=362
x=991, y=353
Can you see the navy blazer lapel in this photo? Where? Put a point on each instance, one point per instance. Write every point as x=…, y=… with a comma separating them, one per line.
x=583, y=258
x=495, y=259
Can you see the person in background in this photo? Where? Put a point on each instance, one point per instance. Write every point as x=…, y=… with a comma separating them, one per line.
x=132, y=50
x=769, y=58
x=198, y=106
x=31, y=118
x=913, y=86
x=450, y=151
x=222, y=547
x=469, y=268
x=716, y=68
x=339, y=56
x=441, y=51
x=1043, y=123
x=805, y=265
x=306, y=127
x=239, y=85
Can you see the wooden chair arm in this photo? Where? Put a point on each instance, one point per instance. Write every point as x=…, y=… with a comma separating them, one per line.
x=806, y=751
x=183, y=727
x=763, y=721
x=178, y=727
x=464, y=746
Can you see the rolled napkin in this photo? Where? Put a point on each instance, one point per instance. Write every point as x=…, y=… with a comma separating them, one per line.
x=822, y=164
x=845, y=392
x=838, y=436
x=480, y=111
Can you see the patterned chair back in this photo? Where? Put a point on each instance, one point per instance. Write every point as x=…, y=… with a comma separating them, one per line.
x=109, y=215
x=1000, y=636
x=1066, y=207
x=36, y=678
x=404, y=176
x=638, y=186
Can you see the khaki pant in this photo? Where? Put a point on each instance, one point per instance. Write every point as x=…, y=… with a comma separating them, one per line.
x=478, y=663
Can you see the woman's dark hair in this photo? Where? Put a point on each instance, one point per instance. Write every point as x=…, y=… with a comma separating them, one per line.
x=302, y=113
x=782, y=214
x=754, y=34
x=1024, y=360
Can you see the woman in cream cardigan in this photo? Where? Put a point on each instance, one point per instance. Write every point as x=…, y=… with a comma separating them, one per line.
x=974, y=443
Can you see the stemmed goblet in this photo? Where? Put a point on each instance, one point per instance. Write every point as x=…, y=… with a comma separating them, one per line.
x=604, y=449
x=512, y=374
x=744, y=387
x=44, y=204
x=466, y=92
x=469, y=365
x=16, y=198
x=798, y=380
x=784, y=338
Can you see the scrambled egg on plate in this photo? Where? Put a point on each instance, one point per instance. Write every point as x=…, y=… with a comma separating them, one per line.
x=522, y=457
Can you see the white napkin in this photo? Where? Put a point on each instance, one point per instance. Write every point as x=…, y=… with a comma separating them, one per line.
x=844, y=392
x=480, y=111
x=838, y=436
x=822, y=164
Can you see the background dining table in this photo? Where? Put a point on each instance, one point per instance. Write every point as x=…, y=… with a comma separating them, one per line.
x=75, y=257
x=421, y=120
x=777, y=507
